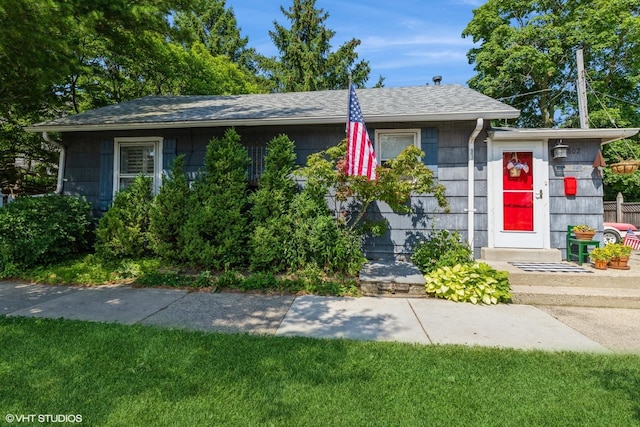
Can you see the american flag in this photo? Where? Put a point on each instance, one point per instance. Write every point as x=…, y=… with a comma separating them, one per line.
x=630, y=239
x=361, y=159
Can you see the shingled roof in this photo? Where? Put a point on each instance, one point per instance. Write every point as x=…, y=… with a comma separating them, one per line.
x=403, y=104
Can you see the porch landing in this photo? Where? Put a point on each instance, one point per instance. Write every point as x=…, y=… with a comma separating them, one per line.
x=590, y=288
x=524, y=255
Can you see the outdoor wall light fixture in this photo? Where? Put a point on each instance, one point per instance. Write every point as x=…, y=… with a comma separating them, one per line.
x=560, y=150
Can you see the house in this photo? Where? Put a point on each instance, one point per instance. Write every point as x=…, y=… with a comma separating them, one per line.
x=505, y=188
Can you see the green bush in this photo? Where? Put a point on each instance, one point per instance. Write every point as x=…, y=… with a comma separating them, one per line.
x=123, y=231
x=259, y=281
x=216, y=230
x=168, y=212
x=277, y=185
x=42, y=230
x=475, y=283
x=270, y=204
x=268, y=245
x=443, y=248
x=230, y=279
x=318, y=239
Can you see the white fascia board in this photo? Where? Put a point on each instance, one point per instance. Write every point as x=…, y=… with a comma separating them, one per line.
x=604, y=135
x=489, y=115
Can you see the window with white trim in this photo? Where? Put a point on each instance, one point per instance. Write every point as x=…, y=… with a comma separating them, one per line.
x=136, y=156
x=391, y=142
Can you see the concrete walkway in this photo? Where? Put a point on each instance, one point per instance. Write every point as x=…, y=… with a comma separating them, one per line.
x=412, y=320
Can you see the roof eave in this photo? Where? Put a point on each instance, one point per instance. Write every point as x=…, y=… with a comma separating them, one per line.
x=488, y=115
x=605, y=135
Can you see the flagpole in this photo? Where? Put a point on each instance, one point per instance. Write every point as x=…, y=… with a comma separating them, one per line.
x=346, y=128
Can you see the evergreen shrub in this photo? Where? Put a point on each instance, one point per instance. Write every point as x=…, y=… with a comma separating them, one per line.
x=216, y=229
x=271, y=224
x=123, y=231
x=168, y=212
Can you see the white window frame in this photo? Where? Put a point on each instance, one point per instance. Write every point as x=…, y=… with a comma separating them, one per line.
x=156, y=141
x=379, y=133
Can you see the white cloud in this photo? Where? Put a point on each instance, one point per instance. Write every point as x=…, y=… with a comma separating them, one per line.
x=375, y=43
x=414, y=59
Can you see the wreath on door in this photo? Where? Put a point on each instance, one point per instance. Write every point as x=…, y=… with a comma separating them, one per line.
x=516, y=167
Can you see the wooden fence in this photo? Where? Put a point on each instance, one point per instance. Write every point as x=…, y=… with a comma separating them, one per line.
x=619, y=211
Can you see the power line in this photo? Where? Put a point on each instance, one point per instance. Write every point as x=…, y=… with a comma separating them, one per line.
x=524, y=94
x=604, y=108
x=615, y=97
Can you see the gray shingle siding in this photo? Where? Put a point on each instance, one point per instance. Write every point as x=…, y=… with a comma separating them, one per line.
x=587, y=207
x=84, y=146
x=315, y=121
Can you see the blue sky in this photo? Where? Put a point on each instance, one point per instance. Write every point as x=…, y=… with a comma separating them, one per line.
x=406, y=41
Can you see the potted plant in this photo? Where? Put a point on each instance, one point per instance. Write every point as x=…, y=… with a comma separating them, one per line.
x=584, y=232
x=600, y=257
x=619, y=255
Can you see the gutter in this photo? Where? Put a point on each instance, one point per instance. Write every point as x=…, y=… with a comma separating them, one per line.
x=61, y=162
x=471, y=208
x=605, y=135
x=267, y=121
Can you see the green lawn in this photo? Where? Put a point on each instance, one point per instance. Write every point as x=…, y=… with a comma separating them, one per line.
x=116, y=375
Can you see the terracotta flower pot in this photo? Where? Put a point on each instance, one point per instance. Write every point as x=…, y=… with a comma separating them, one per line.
x=619, y=263
x=600, y=264
x=584, y=235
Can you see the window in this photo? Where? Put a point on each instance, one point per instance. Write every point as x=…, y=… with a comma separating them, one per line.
x=390, y=143
x=255, y=170
x=135, y=156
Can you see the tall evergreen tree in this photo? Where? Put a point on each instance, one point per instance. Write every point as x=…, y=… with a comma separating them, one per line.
x=270, y=205
x=215, y=232
x=214, y=25
x=168, y=212
x=306, y=62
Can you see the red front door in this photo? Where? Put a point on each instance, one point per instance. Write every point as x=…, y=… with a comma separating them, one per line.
x=517, y=190
x=518, y=193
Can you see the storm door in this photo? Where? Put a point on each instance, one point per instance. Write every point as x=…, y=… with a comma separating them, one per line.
x=520, y=199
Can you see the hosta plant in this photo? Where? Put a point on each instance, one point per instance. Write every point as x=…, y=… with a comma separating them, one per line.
x=475, y=283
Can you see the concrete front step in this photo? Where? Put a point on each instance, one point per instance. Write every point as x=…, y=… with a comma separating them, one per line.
x=576, y=296
x=525, y=255
x=580, y=280
x=610, y=288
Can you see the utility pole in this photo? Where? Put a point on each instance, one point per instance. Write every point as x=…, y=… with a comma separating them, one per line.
x=582, y=92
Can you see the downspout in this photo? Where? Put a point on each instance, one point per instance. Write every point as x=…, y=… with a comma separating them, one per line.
x=63, y=154
x=471, y=208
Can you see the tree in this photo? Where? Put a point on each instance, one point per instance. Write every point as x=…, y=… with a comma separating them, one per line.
x=123, y=231
x=215, y=232
x=527, y=51
x=213, y=25
x=306, y=62
x=270, y=207
x=397, y=180
x=168, y=211
x=524, y=55
x=64, y=57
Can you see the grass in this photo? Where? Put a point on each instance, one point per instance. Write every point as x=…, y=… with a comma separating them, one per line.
x=116, y=375
x=91, y=270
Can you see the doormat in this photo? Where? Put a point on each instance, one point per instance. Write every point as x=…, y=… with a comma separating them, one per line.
x=549, y=267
